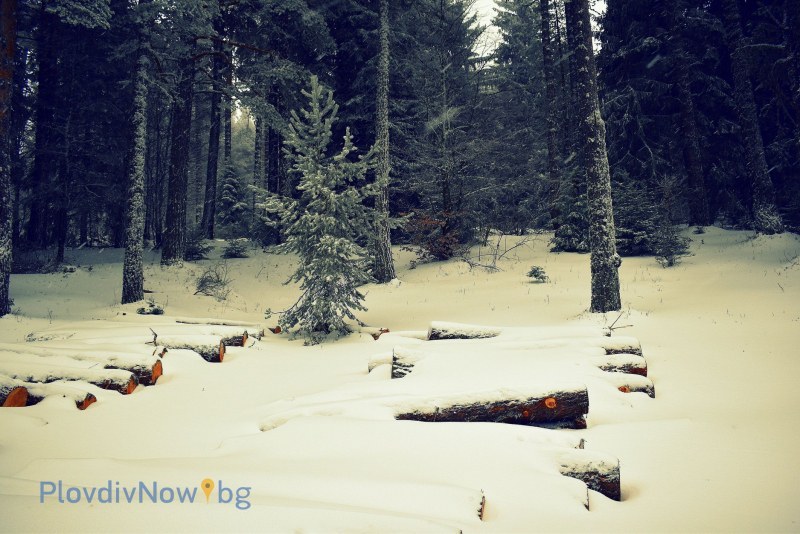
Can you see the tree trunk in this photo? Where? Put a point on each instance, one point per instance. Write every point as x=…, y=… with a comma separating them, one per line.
x=382, y=263
x=174, y=245
x=553, y=150
x=692, y=155
x=592, y=132
x=47, y=88
x=766, y=218
x=212, y=166
x=553, y=409
x=258, y=166
x=133, y=269
x=792, y=39
x=8, y=36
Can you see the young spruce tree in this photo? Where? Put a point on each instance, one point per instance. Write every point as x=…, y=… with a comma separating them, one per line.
x=322, y=226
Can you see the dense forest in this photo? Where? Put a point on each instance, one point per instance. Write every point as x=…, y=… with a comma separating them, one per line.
x=160, y=123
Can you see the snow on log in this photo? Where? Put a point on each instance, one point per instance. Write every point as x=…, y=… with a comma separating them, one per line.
x=28, y=368
x=631, y=383
x=13, y=393
x=442, y=330
x=253, y=329
x=38, y=392
x=622, y=345
x=600, y=472
x=403, y=360
x=631, y=364
x=378, y=360
x=556, y=408
x=146, y=368
x=211, y=348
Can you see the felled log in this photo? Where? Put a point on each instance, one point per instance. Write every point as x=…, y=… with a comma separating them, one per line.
x=13, y=393
x=632, y=383
x=211, y=348
x=442, y=330
x=560, y=408
x=146, y=368
x=600, y=472
x=28, y=368
x=238, y=340
x=253, y=329
x=621, y=345
x=631, y=364
x=38, y=392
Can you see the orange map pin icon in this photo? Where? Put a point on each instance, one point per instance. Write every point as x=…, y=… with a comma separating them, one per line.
x=207, y=486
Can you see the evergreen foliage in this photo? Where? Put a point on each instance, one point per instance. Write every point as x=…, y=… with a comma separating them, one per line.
x=324, y=224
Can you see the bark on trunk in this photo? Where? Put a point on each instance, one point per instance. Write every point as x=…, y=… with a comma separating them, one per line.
x=174, y=245
x=258, y=166
x=8, y=34
x=766, y=218
x=382, y=264
x=600, y=472
x=592, y=132
x=553, y=150
x=556, y=409
x=42, y=171
x=212, y=166
x=133, y=268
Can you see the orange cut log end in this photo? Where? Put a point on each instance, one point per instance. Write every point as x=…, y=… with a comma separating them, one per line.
x=625, y=389
x=550, y=402
x=158, y=370
x=86, y=402
x=221, y=351
x=16, y=398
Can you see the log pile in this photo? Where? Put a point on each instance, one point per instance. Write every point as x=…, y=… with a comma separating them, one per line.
x=44, y=370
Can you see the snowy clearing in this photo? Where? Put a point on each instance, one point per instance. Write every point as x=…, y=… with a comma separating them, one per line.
x=312, y=433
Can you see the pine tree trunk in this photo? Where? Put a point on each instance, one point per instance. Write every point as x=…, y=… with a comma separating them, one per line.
x=766, y=218
x=602, y=242
x=553, y=150
x=47, y=87
x=8, y=36
x=383, y=265
x=792, y=38
x=258, y=166
x=174, y=244
x=132, y=269
x=692, y=155
x=212, y=167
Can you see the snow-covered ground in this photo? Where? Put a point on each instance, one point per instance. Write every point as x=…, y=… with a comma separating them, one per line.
x=312, y=435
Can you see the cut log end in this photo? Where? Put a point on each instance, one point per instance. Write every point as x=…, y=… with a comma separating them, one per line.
x=86, y=402
x=221, y=352
x=606, y=482
x=16, y=398
x=130, y=386
x=158, y=370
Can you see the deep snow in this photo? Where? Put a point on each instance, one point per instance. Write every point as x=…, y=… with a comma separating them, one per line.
x=712, y=452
